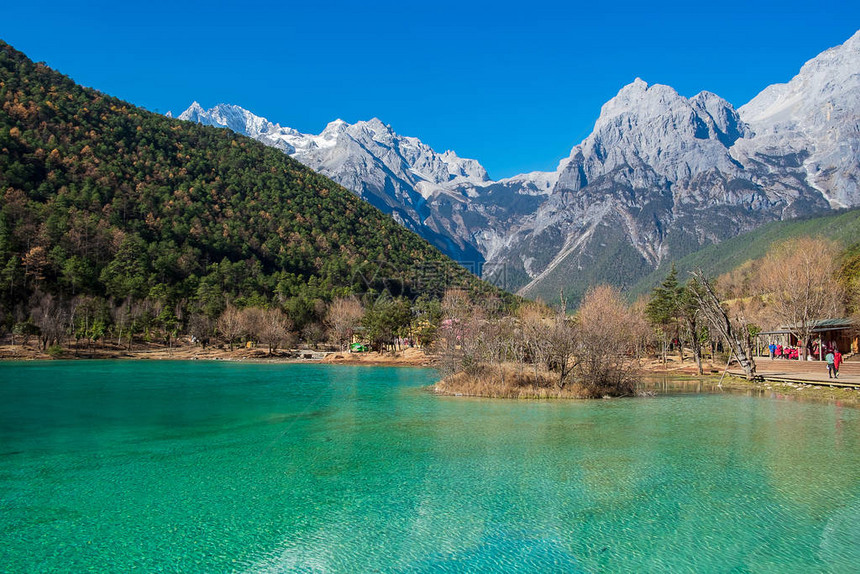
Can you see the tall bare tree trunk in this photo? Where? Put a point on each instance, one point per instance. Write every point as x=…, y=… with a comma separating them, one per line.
x=694, y=342
x=697, y=354
x=716, y=315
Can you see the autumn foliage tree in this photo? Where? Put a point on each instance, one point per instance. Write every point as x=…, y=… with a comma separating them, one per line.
x=798, y=280
x=606, y=338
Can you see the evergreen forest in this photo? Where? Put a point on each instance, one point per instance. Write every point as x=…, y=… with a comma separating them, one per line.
x=112, y=210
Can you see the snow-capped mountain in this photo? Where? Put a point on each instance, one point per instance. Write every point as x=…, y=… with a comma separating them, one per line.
x=656, y=178
x=659, y=176
x=665, y=175
x=397, y=174
x=815, y=116
x=244, y=122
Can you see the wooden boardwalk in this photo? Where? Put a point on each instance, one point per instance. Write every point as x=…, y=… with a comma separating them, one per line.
x=806, y=372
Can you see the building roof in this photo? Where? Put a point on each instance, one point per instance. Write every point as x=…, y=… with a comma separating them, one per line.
x=818, y=326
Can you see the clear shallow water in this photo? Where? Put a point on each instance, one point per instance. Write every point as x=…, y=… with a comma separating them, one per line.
x=214, y=467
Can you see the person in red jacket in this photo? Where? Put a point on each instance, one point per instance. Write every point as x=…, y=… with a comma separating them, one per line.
x=837, y=360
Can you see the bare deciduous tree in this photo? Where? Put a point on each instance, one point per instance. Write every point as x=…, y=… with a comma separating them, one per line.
x=689, y=314
x=200, y=327
x=459, y=340
x=343, y=317
x=606, y=338
x=251, y=319
x=534, y=320
x=798, y=282
x=561, y=343
x=713, y=312
x=644, y=335
x=51, y=316
x=274, y=328
x=314, y=333
x=498, y=342
x=230, y=324
x=121, y=317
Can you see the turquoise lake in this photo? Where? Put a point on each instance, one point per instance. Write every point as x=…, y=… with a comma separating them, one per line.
x=109, y=466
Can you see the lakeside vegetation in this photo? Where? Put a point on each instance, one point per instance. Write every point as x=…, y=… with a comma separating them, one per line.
x=842, y=227
x=538, y=351
x=598, y=351
x=122, y=228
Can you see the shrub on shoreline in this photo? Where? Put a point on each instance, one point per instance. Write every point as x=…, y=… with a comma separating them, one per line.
x=514, y=382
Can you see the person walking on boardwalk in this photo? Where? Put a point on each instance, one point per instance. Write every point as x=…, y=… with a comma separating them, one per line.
x=837, y=360
x=830, y=360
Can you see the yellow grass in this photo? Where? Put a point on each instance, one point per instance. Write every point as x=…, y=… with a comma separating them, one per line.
x=487, y=381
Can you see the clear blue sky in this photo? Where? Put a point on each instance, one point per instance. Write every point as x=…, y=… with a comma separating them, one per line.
x=512, y=84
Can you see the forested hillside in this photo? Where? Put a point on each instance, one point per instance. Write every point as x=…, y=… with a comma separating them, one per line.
x=99, y=198
x=843, y=227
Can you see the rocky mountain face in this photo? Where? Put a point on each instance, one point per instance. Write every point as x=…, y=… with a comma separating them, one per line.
x=396, y=174
x=813, y=121
x=660, y=176
x=655, y=179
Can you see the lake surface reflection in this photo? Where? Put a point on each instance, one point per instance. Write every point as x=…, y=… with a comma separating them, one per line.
x=310, y=468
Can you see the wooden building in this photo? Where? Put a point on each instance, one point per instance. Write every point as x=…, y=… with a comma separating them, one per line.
x=840, y=334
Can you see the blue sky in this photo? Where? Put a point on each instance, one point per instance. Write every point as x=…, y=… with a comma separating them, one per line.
x=512, y=84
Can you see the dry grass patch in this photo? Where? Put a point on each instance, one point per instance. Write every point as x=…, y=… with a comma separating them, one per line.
x=513, y=382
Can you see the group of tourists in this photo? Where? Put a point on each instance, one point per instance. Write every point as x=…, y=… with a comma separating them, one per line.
x=779, y=352
x=833, y=357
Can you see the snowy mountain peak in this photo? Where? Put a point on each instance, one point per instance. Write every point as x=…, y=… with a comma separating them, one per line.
x=834, y=71
x=193, y=113
x=654, y=129
x=816, y=113
x=376, y=124
x=640, y=99
x=391, y=171
x=333, y=128
x=659, y=175
x=376, y=130
x=706, y=99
